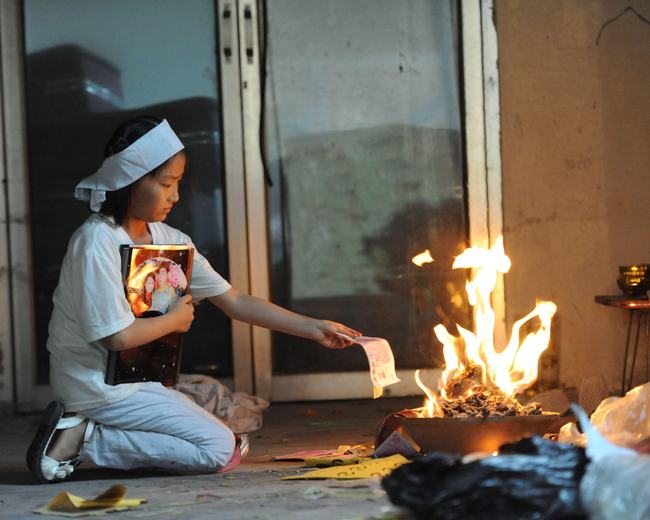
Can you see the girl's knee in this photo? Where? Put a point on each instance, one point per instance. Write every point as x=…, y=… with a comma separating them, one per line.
x=219, y=449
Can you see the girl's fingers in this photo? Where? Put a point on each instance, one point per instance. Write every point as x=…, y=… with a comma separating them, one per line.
x=344, y=337
x=340, y=336
x=344, y=340
x=350, y=332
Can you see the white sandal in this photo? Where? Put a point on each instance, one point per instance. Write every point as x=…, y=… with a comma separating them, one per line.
x=44, y=468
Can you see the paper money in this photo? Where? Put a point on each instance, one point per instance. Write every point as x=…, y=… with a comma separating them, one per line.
x=381, y=361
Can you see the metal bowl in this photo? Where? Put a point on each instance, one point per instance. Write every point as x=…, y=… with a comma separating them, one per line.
x=469, y=435
x=634, y=279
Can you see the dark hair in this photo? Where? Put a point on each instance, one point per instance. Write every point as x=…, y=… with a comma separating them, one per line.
x=148, y=296
x=117, y=202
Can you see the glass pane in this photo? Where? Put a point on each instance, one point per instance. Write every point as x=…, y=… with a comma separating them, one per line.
x=363, y=125
x=90, y=65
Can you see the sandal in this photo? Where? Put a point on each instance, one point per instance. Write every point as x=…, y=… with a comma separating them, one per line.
x=44, y=468
x=244, y=443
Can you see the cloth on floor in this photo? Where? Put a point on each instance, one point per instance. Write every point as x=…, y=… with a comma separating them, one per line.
x=240, y=411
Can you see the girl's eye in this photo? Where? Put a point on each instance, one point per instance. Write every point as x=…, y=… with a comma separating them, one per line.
x=167, y=185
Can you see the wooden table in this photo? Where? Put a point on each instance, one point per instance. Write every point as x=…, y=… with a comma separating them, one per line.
x=638, y=308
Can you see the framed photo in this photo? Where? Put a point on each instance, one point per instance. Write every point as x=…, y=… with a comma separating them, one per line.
x=155, y=277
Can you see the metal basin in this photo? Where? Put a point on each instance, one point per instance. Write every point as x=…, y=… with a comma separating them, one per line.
x=468, y=435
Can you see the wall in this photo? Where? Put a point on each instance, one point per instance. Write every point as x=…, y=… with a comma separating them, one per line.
x=575, y=127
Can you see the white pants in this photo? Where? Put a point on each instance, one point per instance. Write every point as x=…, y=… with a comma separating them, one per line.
x=161, y=428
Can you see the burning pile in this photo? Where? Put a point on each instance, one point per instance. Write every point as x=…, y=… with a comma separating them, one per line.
x=477, y=380
x=471, y=398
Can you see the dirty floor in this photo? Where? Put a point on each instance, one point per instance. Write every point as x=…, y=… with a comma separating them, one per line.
x=253, y=491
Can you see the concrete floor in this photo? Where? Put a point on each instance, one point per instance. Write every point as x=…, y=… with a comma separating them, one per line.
x=253, y=491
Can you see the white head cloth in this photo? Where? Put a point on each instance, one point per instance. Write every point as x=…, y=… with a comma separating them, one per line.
x=127, y=166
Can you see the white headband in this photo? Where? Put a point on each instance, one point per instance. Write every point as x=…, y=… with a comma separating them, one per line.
x=127, y=166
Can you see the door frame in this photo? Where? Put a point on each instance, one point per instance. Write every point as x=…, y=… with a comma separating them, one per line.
x=234, y=163
x=17, y=320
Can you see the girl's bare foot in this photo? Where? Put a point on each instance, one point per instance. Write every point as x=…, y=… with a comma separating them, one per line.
x=66, y=444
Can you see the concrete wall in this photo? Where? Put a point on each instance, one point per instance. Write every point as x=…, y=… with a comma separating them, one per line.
x=576, y=154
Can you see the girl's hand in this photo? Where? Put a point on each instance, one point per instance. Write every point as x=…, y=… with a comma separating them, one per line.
x=327, y=334
x=182, y=312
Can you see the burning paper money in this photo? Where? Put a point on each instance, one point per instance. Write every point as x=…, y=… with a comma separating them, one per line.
x=381, y=361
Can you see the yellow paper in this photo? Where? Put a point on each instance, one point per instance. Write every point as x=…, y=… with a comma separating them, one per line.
x=333, y=460
x=357, y=449
x=371, y=468
x=111, y=500
x=377, y=391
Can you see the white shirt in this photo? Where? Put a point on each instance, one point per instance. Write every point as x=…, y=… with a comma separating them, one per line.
x=90, y=304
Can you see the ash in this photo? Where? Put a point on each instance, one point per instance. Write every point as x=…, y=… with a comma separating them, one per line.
x=485, y=400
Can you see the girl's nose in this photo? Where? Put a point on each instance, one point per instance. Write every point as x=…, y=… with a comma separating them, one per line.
x=174, y=196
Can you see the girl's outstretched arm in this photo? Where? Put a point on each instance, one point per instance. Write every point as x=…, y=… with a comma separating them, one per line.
x=268, y=315
x=145, y=330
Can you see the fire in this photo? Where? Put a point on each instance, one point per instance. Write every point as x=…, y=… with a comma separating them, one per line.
x=472, y=362
x=422, y=258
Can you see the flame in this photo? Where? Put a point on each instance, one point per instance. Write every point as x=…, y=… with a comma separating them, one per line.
x=433, y=408
x=422, y=258
x=511, y=369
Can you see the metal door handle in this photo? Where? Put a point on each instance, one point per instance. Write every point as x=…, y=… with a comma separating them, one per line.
x=226, y=31
x=248, y=33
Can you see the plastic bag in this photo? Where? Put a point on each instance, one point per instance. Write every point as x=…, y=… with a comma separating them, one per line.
x=625, y=421
x=617, y=488
x=530, y=479
x=616, y=484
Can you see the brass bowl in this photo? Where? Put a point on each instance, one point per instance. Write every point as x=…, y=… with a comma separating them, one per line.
x=634, y=279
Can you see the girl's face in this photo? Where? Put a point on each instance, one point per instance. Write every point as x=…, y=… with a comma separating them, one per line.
x=149, y=284
x=161, y=276
x=153, y=196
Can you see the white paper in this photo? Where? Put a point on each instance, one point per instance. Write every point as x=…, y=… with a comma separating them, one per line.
x=380, y=359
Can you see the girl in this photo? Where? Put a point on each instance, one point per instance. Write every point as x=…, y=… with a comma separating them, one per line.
x=139, y=424
x=164, y=294
x=143, y=302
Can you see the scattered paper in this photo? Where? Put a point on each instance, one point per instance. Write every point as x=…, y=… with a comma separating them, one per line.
x=381, y=361
x=398, y=442
x=67, y=504
x=301, y=455
x=367, y=469
x=334, y=460
x=344, y=450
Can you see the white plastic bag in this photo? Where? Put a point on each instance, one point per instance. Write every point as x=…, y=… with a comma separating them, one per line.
x=617, y=488
x=616, y=484
x=625, y=421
